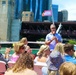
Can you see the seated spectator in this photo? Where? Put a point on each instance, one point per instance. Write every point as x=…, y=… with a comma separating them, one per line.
x=23, y=66
x=69, y=53
x=18, y=49
x=67, y=68
x=42, y=56
x=58, y=48
x=54, y=61
x=27, y=48
x=25, y=41
x=5, y=57
x=43, y=53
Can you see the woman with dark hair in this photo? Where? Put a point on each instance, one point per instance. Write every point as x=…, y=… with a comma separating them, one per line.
x=23, y=66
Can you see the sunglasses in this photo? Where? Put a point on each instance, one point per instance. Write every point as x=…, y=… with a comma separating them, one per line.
x=73, y=50
x=23, y=47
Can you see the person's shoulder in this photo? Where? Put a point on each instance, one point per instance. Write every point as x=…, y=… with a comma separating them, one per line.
x=49, y=34
x=30, y=72
x=9, y=72
x=68, y=58
x=14, y=55
x=58, y=34
x=33, y=72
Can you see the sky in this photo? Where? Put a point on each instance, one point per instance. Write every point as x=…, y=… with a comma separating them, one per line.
x=69, y=5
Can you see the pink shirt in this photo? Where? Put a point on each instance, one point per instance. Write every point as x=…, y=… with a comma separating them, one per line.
x=14, y=58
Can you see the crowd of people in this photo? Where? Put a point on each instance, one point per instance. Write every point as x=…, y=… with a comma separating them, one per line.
x=56, y=58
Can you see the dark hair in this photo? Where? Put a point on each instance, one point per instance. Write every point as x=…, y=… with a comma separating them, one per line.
x=68, y=47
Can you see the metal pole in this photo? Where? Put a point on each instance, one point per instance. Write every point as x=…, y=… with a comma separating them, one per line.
x=52, y=14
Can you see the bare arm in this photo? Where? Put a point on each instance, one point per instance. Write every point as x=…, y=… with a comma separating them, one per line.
x=48, y=42
x=7, y=53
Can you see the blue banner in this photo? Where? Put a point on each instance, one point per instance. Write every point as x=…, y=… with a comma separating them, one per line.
x=40, y=13
x=36, y=9
x=31, y=5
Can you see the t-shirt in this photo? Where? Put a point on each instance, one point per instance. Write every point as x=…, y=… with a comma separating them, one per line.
x=14, y=58
x=69, y=58
x=53, y=43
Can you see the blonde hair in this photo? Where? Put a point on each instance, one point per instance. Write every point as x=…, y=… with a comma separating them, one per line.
x=52, y=72
x=24, y=61
x=17, y=46
x=67, y=68
x=59, y=47
x=42, y=49
x=23, y=40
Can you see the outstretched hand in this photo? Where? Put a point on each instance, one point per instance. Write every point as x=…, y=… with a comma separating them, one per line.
x=7, y=51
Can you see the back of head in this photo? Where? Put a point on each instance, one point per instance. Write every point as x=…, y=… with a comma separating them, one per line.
x=68, y=47
x=67, y=68
x=59, y=47
x=42, y=49
x=24, y=61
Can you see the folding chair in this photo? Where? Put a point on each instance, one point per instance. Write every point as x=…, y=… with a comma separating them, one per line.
x=2, y=67
x=38, y=67
x=10, y=64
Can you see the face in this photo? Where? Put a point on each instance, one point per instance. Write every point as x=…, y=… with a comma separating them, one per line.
x=47, y=52
x=72, y=52
x=26, y=42
x=53, y=29
x=22, y=49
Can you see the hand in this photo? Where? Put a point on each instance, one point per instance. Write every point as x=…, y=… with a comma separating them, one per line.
x=54, y=38
x=7, y=51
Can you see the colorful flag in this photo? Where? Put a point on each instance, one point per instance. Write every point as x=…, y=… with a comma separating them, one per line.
x=47, y=13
